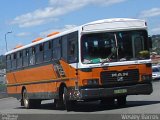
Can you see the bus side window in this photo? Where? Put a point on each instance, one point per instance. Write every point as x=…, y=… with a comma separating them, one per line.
x=47, y=51
x=19, y=59
x=14, y=62
x=25, y=57
x=32, y=52
x=64, y=48
x=39, y=53
x=73, y=47
x=8, y=62
x=56, y=49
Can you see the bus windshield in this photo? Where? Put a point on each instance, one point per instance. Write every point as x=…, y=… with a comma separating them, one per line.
x=114, y=46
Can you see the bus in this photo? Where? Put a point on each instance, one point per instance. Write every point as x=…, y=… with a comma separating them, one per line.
x=104, y=60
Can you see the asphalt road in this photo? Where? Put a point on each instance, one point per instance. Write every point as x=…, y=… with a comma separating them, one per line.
x=137, y=104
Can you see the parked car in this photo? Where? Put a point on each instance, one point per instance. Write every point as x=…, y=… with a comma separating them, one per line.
x=156, y=72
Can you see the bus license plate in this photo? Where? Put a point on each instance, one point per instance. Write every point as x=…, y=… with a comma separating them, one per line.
x=120, y=91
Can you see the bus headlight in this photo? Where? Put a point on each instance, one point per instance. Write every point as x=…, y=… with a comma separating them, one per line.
x=90, y=82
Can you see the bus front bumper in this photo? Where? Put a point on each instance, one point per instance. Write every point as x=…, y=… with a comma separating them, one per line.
x=98, y=93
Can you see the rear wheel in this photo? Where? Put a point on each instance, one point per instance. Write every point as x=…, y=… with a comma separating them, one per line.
x=25, y=99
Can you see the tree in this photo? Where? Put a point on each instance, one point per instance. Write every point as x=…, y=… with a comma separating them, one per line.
x=156, y=44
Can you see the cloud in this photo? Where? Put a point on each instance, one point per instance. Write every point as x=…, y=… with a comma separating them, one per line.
x=55, y=9
x=66, y=27
x=150, y=13
x=23, y=34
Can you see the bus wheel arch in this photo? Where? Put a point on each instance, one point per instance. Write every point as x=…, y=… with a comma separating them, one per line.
x=61, y=87
x=22, y=102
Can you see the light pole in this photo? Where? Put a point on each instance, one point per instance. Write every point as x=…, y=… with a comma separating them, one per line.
x=6, y=40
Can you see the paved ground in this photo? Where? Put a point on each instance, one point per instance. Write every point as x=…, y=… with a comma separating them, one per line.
x=141, y=104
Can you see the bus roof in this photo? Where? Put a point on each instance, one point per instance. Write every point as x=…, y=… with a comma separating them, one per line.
x=95, y=26
x=114, y=24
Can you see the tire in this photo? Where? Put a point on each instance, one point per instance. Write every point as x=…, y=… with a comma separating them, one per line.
x=107, y=101
x=25, y=99
x=69, y=104
x=30, y=103
x=63, y=102
x=121, y=101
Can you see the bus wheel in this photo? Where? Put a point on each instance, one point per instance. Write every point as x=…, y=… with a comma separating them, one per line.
x=67, y=103
x=25, y=99
x=30, y=103
x=107, y=101
x=121, y=101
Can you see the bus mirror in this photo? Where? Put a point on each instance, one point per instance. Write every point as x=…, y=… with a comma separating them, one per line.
x=150, y=42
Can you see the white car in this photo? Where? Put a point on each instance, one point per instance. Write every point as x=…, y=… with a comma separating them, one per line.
x=155, y=72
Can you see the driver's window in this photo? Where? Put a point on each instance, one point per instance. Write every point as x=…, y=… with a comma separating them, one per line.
x=137, y=44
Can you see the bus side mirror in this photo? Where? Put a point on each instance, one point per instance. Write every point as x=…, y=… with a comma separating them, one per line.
x=150, y=42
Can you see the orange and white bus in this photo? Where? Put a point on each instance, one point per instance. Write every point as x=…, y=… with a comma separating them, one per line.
x=103, y=60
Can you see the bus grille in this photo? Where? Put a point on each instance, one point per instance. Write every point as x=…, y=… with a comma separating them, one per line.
x=119, y=77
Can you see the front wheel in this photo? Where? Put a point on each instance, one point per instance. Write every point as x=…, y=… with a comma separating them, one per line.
x=107, y=101
x=67, y=103
x=121, y=101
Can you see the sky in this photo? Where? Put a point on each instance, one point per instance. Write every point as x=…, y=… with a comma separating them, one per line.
x=22, y=21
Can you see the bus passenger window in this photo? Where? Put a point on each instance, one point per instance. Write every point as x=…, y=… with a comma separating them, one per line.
x=73, y=47
x=39, y=54
x=32, y=52
x=47, y=51
x=19, y=59
x=64, y=48
x=41, y=47
x=25, y=57
x=8, y=62
x=72, y=51
x=56, y=49
x=13, y=59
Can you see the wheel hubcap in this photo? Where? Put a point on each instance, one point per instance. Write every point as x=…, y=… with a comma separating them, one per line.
x=26, y=103
x=25, y=100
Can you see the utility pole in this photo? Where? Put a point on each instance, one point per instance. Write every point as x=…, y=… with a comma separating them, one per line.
x=6, y=40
